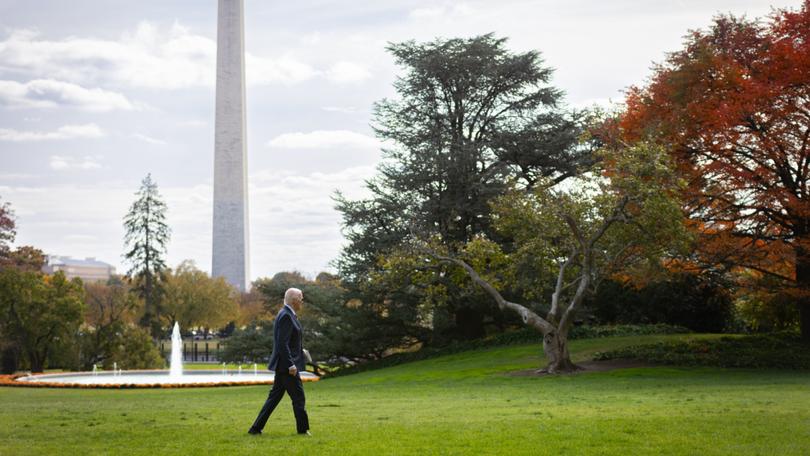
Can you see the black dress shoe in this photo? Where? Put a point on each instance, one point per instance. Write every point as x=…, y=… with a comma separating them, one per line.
x=254, y=432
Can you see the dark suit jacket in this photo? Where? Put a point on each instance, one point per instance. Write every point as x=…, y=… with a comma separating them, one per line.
x=287, y=347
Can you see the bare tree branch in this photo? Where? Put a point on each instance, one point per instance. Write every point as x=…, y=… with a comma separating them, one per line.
x=527, y=315
x=553, y=314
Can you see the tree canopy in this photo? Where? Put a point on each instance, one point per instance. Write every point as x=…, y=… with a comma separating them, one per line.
x=36, y=310
x=194, y=299
x=469, y=116
x=733, y=106
x=110, y=310
x=611, y=218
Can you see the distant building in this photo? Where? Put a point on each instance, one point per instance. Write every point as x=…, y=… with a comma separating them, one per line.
x=88, y=269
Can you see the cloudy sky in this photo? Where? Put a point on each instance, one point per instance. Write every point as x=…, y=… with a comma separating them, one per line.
x=96, y=94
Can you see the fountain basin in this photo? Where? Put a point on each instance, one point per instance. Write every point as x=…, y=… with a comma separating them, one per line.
x=151, y=379
x=175, y=377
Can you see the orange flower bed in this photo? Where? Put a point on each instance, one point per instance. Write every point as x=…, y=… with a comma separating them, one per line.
x=11, y=380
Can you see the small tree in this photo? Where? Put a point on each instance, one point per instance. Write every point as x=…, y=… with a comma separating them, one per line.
x=251, y=308
x=37, y=310
x=146, y=237
x=138, y=351
x=253, y=344
x=621, y=212
x=9, y=352
x=25, y=258
x=194, y=299
x=110, y=309
x=7, y=228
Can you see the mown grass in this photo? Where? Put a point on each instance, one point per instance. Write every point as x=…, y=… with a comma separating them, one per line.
x=463, y=403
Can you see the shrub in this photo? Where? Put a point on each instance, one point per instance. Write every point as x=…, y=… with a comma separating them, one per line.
x=699, y=302
x=778, y=350
x=764, y=312
x=137, y=351
x=251, y=345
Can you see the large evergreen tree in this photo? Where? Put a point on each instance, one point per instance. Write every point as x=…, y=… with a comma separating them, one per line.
x=469, y=117
x=147, y=235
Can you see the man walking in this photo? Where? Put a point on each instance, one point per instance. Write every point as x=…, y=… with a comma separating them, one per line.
x=288, y=362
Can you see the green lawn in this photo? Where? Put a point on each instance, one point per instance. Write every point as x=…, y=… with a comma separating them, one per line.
x=458, y=404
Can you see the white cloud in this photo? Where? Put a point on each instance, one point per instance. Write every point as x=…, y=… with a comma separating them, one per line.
x=293, y=220
x=435, y=12
x=347, y=72
x=150, y=57
x=49, y=93
x=341, y=109
x=324, y=139
x=149, y=139
x=427, y=12
x=80, y=238
x=86, y=131
x=17, y=176
x=63, y=162
x=605, y=103
x=285, y=70
x=193, y=123
x=312, y=39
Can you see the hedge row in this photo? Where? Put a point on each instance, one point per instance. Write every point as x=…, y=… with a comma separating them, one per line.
x=777, y=350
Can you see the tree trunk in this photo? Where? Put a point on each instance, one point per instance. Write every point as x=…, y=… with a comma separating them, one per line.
x=10, y=359
x=804, y=315
x=37, y=361
x=803, y=284
x=556, y=350
x=470, y=323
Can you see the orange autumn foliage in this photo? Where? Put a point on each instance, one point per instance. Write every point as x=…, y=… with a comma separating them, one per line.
x=733, y=106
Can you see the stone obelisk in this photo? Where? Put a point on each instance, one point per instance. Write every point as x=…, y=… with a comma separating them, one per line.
x=230, y=241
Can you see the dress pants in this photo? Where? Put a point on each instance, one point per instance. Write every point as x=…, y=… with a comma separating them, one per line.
x=292, y=385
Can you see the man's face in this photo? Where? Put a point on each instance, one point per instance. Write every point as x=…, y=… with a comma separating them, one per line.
x=298, y=303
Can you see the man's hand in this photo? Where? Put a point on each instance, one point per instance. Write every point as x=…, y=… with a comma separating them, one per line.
x=293, y=370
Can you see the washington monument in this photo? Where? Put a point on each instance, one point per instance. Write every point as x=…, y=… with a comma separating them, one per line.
x=231, y=253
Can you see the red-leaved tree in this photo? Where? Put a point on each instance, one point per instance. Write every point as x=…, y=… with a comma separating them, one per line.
x=734, y=107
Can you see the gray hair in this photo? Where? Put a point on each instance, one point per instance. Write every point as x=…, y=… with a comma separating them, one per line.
x=292, y=295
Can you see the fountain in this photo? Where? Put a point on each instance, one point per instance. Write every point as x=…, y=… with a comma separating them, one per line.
x=176, y=365
x=148, y=378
